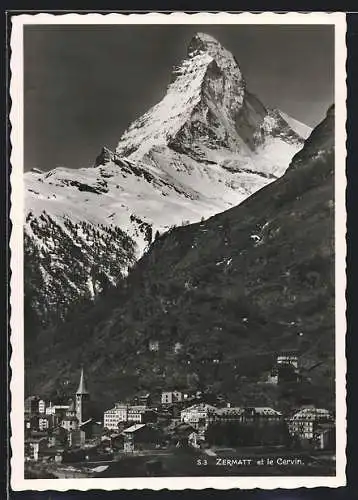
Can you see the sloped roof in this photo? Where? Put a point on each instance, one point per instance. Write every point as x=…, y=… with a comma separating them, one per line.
x=232, y=410
x=264, y=410
x=311, y=414
x=134, y=428
x=202, y=407
x=86, y=422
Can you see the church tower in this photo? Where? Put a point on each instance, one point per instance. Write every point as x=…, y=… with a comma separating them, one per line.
x=82, y=401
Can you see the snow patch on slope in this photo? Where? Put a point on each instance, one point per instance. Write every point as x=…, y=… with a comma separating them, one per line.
x=300, y=128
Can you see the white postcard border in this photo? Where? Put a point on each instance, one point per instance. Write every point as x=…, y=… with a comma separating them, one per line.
x=18, y=483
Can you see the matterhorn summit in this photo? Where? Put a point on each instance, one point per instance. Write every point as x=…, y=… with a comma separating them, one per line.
x=205, y=147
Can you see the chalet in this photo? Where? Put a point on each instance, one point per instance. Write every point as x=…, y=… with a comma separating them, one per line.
x=325, y=436
x=54, y=454
x=91, y=428
x=114, y=440
x=183, y=435
x=57, y=437
x=139, y=436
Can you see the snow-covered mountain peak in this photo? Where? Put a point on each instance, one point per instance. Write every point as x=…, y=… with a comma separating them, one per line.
x=164, y=120
x=207, y=85
x=203, y=43
x=205, y=147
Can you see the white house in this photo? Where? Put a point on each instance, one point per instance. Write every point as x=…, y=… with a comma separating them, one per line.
x=53, y=409
x=126, y=413
x=70, y=423
x=113, y=416
x=42, y=406
x=199, y=415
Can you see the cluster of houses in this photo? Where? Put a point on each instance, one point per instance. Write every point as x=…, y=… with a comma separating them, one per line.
x=50, y=429
x=58, y=432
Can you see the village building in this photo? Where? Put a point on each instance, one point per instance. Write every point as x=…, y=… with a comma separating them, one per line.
x=54, y=454
x=153, y=345
x=199, y=416
x=34, y=447
x=139, y=436
x=92, y=429
x=171, y=397
x=127, y=413
x=141, y=414
x=288, y=357
x=325, y=436
x=230, y=414
x=113, y=416
x=261, y=415
x=178, y=347
x=57, y=409
x=31, y=422
x=44, y=422
x=42, y=406
x=305, y=422
x=76, y=438
x=196, y=439
x=57, y=437
x=31, y=404
x=142, y=400
x=183, y=435
x=71, y=412
x=286, y=368
x=70, y=423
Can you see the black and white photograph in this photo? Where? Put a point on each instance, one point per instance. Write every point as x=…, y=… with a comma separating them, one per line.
x=178, y=251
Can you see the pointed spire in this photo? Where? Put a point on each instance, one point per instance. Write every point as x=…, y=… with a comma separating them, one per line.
x=82, y=387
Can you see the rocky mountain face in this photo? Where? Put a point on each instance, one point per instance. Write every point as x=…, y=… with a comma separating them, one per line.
x=221, y=297
x=207, y=146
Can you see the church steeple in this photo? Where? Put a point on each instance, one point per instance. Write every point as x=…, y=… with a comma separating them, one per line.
x=82, y=386
x=82, y=400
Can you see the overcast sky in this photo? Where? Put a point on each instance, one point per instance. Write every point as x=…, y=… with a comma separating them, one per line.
x=85, y=84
